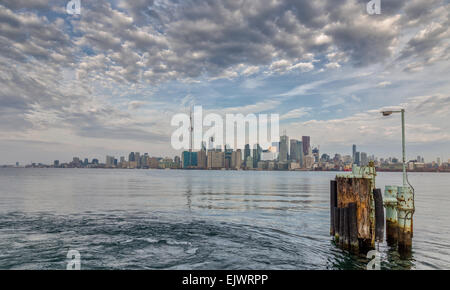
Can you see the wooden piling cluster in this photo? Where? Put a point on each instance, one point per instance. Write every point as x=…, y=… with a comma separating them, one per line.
x=357, y=215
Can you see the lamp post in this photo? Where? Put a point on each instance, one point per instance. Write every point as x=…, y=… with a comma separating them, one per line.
x=400, y=204
x=402, y=111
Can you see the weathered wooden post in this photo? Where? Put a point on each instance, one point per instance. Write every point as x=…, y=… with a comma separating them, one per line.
x=379, y=215
x=353, y=228
x=390, y=202
x=346, y=235
x=355, y=218
x=333, y=205
x=405, y=211
x=341, y=227
x=336, y=223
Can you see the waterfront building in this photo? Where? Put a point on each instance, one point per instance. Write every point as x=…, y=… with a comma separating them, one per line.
x=364, y=161
x=131, y=157
x=132, y=164
x=109, y=161
x=296, y=151
x=357, y=159
x=284, y=148
x=268, y=156
x=306, y=140
x=153, y=162
x=177, y=161
x=202, y=159
x=309, y=161
x=316, y=154
x=262, y=165
x=246, y=153
x=294, y=165
x=216, y=159
x=189, y=159
x=257, y=150
x=236, y=159
x=249, y=162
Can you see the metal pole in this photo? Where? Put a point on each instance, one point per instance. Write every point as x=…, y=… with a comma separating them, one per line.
x=403, y=147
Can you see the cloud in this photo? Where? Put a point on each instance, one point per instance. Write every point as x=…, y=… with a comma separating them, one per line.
x=384, y=84
x=82, y=78
x=426, y=123
x=296, y=113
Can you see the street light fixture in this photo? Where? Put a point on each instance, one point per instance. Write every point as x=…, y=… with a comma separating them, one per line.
x=402, y=111
x=400, y=210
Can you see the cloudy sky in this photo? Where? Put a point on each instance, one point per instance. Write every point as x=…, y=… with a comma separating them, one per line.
x=109, y=80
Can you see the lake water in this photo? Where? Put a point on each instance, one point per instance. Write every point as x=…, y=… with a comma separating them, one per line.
x=177, y=219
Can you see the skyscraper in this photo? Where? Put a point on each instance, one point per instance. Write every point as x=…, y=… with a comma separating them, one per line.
x=109, y=161
x=246, y=153
x=306, y=140
x=284, y=148
x=131, y=156
x=257, y=150
x=296, y=151
x=189, y=159
x=236, y=159
x=137, y=158
x=364, y=161
x=202, y=162
x=357, y=159
x=354, y=152
x=216, y=160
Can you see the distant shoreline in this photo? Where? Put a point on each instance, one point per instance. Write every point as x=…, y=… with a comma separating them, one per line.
x=224, y=169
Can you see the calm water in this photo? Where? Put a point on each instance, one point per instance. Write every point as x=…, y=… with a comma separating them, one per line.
x=173, y=219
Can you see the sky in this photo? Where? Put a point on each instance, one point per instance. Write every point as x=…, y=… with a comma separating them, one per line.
x=109, y=80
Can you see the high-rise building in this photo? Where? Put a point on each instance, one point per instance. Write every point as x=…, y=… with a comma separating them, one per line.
x=296, y=151
x=357, y=159
x=249, y=162
x=364, y=161
x=131, y=157
x=306, y=140
x=216, y=159
x=109, y=161
x=177, y=161
x=202, y=160
x=137, y=158
x=316, y=154
x=354, y=152
x=257, y=150
x=189, y=159
x=284, y=148
x=236, y=159
x=246, y=153
x=56, y=163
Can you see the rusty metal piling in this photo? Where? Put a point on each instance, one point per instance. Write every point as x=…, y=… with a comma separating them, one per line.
x=405, y=210
x=390, y=203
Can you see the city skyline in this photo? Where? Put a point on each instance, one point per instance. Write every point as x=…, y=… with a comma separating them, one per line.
x=294, y=149
x=111, y=78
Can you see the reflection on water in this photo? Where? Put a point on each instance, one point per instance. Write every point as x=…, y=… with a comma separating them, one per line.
x=174, y=219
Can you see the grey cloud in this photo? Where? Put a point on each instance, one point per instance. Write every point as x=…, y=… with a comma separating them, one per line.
x=156, y=41
x=26, y=4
